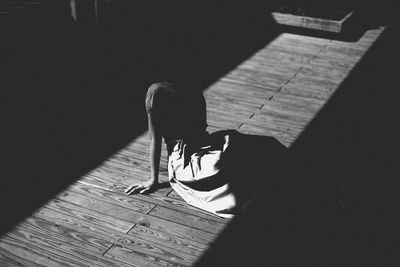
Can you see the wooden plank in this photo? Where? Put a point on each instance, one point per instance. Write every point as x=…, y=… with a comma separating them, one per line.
x=241, y=93
x=269, y=69
x=110, y=197
x=309, y=104
x=280, y=119
x=321, y=79
x=151, y=240
x=102, y=183
x=109, y=185
x=10, y=256
x=182, y=206
x=51, y=233
x=176, y=229
x=120, y=253
x=287, y=112
x=43, y=229
x=156, y=250
x=296, y=45
x=76, y=223
x=168, y=202
x=237, y=107
x=100, y=206
x=281, y=60
x=143, y=252
x=124, y=182
x=126, y=215
x=283, y=137
x=96, y=218
x=257, y=78
x=323, y=73
x=59, y=251
x=193, y=221
x=345, y=51
x=31, y=256
x=273, y=77
x=217, y=117
x=299, y=42
x=344, y=64
x=215, y=113
x=168, y=240
x=278, y=52
x=175, y=195
x=309, y=88
x=275, y=124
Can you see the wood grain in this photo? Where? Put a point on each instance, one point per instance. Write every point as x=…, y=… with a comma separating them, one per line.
x=112, y=197
x=193, y=221
x=22, y=253
x=156, y=250
x=168, y=240
x=120, y=253
x=90, y=215
x=44, y=229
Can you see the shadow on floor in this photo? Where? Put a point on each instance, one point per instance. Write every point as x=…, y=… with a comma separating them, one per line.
x=337, y=199
x=72, y=95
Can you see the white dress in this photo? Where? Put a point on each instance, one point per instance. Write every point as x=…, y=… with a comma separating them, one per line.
x=197, y=174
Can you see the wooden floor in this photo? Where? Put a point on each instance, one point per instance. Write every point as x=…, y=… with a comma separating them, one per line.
x=276, y=92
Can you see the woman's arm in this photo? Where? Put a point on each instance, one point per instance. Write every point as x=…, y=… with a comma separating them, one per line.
x=155, y=154
x=155, y=149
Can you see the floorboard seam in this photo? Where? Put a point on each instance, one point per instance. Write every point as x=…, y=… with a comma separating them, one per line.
x=155, y=205
x=113, y=244
x=302, y=67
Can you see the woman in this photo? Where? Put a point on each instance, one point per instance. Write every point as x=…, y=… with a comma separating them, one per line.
x=197, y=161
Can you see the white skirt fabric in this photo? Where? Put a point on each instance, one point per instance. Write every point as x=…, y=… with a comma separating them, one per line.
x=196, y=174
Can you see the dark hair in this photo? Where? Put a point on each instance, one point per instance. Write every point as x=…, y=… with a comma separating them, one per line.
x=158, y=94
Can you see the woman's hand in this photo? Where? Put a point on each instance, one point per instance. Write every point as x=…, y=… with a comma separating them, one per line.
x=142, y=187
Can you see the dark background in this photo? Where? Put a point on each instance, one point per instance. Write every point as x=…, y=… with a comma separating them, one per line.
x=72, y=94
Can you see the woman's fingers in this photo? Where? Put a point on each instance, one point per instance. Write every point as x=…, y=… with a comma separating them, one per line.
x=137, y=188
x=133, y=188
x=128, y=189
x=144, y=191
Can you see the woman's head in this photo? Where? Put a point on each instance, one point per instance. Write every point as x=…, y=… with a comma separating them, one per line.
x=176, y=108
x=161, y=97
